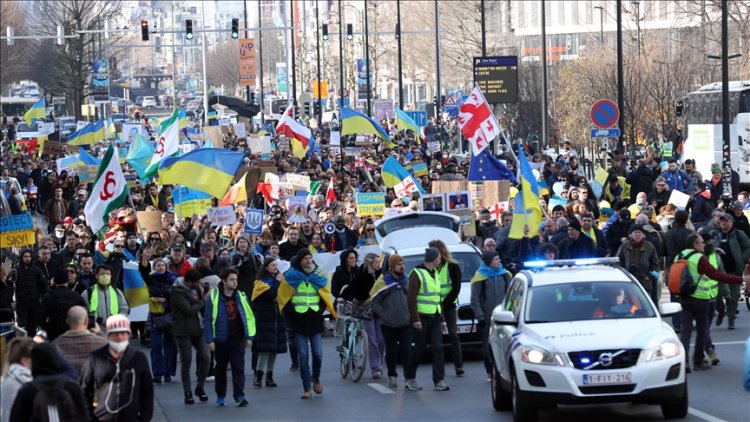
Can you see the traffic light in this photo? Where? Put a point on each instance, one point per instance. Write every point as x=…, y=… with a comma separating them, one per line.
x=144, y=30
x=325, y=32
x=252, y=98
x=435, y=101
x=442, y=99
x=307, y=108
x=316, y=107
x=349, y=31
x=296, y=111
x=189, y=29
x=235, y=28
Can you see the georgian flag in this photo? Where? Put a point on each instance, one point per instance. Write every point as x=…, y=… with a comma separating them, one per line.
x=406, y=187
x=478, y=124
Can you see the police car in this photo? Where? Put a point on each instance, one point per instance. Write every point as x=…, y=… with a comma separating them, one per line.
x=583, y=332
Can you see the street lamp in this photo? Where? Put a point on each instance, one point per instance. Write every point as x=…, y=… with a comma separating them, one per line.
x=601, y=23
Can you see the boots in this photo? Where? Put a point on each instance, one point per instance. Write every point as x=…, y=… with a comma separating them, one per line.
x=712, y=356
x=269, y=379
x=258, y=383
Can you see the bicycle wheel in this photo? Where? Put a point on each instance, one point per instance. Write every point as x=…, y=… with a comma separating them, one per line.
x=359, y=355
x=345, y=354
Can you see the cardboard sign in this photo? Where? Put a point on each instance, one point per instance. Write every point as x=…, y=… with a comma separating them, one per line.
x=216, y=135
x=241, y=130
x=149, y=221
x=297, y=206
x=221, y=216
x=17, y=238
x=53, y=148
x=14, y=223
x=433, y=146
x=371, y=203
x=253, y=221
x=300, y=181
x=679, y=199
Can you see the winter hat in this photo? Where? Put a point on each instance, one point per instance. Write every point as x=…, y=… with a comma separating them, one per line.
x=573, y=223
x=61, y=276
x=488, y=256
x=635, y=227
x=431, y=254
x=118, y=324
x=44, y=360
x=393, y=260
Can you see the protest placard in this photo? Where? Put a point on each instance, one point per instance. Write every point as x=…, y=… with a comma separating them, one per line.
x=221, y=216
x=371, y=203
x=12, y=223
x=253, y=221
x=679, y=199
x=297, y=206
x=149, y=221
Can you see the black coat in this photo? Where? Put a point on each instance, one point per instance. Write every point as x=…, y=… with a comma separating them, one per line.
x=640, y=180
x=30, y=283
x=54, y=309
x=583, y=247
x=270, y=328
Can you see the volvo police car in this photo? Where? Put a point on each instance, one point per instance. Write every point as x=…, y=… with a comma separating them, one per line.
x=582, y=332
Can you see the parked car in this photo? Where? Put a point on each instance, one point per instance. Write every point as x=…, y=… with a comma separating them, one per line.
x=149, y=101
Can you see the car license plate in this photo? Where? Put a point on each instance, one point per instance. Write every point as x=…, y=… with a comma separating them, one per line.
x=615, y=378
x=463, y=329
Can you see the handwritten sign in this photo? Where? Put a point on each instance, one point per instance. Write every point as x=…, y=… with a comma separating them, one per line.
x=371, y=203
x=221, y=216
x=297, y=206
x=300, y=181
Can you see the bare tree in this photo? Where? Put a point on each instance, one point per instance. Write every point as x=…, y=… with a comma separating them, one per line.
x=13, y=58
x=223, y=65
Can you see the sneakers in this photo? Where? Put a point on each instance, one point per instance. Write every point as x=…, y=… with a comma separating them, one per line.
x=220, y=402
x=167, y=379
x=376, y=374
x=293, y=368
x=459, y=372
x=201, y=393
x=441, y=386
x=702, y=366
x=306, y=395
x=731, y=324
x=242, y=402
x=720, y=317
x=413, y=385
x=489, y=377
x=392, y=382
x=156, y=380
x=317, y=387
x=712, y=356
x=189, y=398
x=211, y=379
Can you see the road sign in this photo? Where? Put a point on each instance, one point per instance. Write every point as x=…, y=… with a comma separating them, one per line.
x=605, y=114
x=605, y=133
x=497, y=78
x=419, y=117
x=449, y=101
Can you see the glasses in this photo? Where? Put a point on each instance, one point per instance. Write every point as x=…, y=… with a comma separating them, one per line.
x=154, y=239
x=661, y=184
x=370, y=230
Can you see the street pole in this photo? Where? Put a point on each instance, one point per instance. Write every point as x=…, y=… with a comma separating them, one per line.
x=174, y=60
x=620, y=87
x=726, y=162
x=484, y=34
x=294, y=71
x=205, y=77
x=367, y=61
x=317, y=56
x=341, y=63
x=247, y=88
x=545, y=139
x=400, y=64
x=260, y=53
x=437, y=64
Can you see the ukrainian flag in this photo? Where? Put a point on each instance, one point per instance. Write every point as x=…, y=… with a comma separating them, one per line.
x=182, y=117
x=89, y=134
x=527, y=211
x=404, y=122
x=207, y=170
x=88, y=159
x=134, y=288
x=111, y=130
x=354, y=122
x=37, y=111
x=393, y=173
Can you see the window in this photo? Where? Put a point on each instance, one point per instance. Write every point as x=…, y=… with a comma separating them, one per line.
x=514, y=298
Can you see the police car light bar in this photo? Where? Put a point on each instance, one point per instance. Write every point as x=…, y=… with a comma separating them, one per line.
x=571, y=262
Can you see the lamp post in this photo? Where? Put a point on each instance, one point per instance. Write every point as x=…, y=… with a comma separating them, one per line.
x=341, y=60
x=260, y=53
x=367, y=60
x=400, y=64
x=601, y=23
x=317, y=57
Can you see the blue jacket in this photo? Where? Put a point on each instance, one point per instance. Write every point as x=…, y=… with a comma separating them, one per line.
x=678, y=180
x=222, y=323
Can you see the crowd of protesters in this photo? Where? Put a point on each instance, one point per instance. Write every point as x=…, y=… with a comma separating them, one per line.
x=215, y=290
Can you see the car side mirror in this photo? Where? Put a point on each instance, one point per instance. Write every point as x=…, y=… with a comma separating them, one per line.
x=669, y=308
x=503, y=317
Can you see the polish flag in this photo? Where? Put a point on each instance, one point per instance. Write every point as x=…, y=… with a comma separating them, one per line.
x=330, y=193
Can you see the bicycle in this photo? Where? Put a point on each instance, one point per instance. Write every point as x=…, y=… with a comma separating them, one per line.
x=353, y=344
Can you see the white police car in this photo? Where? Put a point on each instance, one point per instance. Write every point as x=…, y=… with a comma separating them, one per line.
x=582, y=332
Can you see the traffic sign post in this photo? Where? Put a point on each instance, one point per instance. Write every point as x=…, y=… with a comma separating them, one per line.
x=605, y=133
x=605, y=114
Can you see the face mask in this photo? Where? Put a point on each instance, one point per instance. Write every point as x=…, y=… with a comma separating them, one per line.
x=59, y=235
x=639, y=201
x=105, y=279
x=118, y=346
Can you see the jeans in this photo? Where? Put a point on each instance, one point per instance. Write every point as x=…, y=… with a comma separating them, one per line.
x=484, y=333
x=232, y=353
x=376, y=344
x=163, y=354
x=266, y=361
x=730, y=292
x=186, y=345
x=677, y=318
x=26, y=314
x=304, y=345
x=694, y=309
x=432, y=331
x=451, y=318
x=709, y=341
x=397, y=344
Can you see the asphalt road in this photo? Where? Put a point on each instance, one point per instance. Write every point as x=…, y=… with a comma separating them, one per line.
x=715, y=395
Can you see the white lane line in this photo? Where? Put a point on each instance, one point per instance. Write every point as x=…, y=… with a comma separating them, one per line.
x=723, y=343
x=704, y=416
x=381, y=388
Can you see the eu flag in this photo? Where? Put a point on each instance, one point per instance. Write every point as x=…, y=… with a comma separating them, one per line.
x=486, y=167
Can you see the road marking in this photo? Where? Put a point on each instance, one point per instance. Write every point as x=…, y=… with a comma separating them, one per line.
x=723, y=343
x=703, y=415
x=381, y=388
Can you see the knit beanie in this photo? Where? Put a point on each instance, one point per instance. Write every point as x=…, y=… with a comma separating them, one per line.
x=488, y=256
x=574, y=223
x=393, y=260
x=431, y=254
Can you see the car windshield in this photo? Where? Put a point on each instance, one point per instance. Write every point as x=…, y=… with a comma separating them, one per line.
x=581, y=301
x=409, y=220
x=468, y=261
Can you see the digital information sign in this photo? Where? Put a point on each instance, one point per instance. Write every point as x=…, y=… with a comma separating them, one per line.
x=497, y=78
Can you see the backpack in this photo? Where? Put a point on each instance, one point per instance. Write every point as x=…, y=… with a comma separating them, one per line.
x=53, y=402
x=680, y=280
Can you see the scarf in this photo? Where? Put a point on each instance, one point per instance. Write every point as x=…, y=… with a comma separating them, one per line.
x=485, y=271
x=295, y=276
x=715, y=180
x=390, y=279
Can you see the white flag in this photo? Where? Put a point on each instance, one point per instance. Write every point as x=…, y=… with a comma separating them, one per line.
x=405, y=187
x=109, y=192
x=477, y=122
x=167, y=144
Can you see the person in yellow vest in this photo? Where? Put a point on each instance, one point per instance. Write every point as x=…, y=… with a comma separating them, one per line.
x=616, y=189
x=229, y=327
x=695, y=306
x=303, y=295
x=102, y=299
x=425, y=313
x=716, y=262
x=450, y=285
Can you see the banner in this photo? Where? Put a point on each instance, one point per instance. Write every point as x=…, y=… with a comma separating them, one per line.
x=14, y=223
x=221, y=216
x=371, y=203
x=383, y=109
x=323, y=90
x=53, y=148
x=100, y=81
x=281, y=78
x=362, y=79
x=247, y=62
x=19, y=238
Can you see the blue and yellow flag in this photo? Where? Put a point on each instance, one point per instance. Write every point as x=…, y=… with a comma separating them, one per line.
x=394, y=173
x=207, y=170
x=182, y=117
x=404, y=122
x=527, y=211
x=139, y=155
x=88, y=159
x=88, y=135
x=37, y=111
x=354, y=122
x=111, y=130
x=134, y=288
